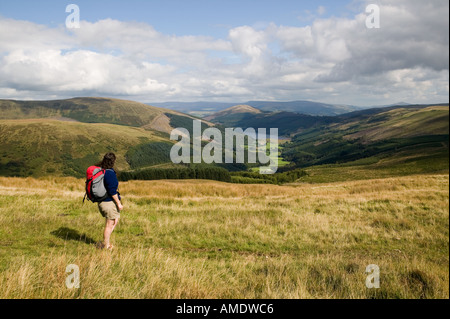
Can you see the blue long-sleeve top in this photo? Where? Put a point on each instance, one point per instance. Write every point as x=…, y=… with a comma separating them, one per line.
x=111, y=184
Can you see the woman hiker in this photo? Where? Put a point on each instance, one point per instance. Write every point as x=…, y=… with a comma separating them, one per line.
x=110, y=207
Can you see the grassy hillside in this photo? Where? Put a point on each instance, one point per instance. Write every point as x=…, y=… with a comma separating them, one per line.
x=63, y=137
x=303, y=107
x=398, y=123
x=92, y=110
x=288, y=123
x=401, y=164
x=312, y=238
x=50, y=147
x=233, y=114
x=408, y=140
x=204, y=239
x=394, y=118
x=66, y=138
x=63, y=147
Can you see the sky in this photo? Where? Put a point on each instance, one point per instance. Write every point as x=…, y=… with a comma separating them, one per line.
x=227, y=51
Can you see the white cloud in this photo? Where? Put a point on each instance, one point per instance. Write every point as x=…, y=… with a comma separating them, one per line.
x=321, y=10
x=331, y=59
x=248, y=41
x=28, y=36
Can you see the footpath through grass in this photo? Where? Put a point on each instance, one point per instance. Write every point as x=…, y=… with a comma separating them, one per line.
x=206, y=239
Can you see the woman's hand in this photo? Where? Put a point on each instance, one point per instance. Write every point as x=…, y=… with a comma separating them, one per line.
x=117, y=201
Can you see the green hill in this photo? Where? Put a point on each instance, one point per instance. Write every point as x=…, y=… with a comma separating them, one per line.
x=400, y=123
x=233, y=115
x=37, y=147
x=291, y=123
x=401, y=141
x=303, y=107
x=63, y=137
x=93, y=110
x=288, y=123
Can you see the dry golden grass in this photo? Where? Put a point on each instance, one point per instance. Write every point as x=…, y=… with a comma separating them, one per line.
x=206, y=239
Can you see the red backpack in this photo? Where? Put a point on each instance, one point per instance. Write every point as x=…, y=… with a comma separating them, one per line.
x=95, y=188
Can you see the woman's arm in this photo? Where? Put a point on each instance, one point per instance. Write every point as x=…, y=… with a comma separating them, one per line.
x=111, y=184
x=117, y=201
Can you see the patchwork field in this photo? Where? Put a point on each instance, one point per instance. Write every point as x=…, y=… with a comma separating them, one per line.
x=206, y=239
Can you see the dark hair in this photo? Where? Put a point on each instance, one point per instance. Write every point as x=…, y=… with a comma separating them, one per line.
x=108, y=161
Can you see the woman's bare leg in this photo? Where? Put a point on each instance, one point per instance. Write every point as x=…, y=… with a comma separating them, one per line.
x=109, y=227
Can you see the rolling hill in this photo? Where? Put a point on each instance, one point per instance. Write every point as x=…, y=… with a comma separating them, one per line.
x=304, y=107
x=63, y=137
x=412, y=139
x=39, y=147
x=204, y=109
x=290, y=123
x=93, y=110
x=200, y=108
x=234, y=114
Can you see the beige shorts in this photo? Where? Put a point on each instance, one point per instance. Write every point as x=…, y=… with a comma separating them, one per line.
x=109, y=210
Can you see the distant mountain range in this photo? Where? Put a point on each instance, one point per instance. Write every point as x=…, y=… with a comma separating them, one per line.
x=304, y=107
x=203, y=109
